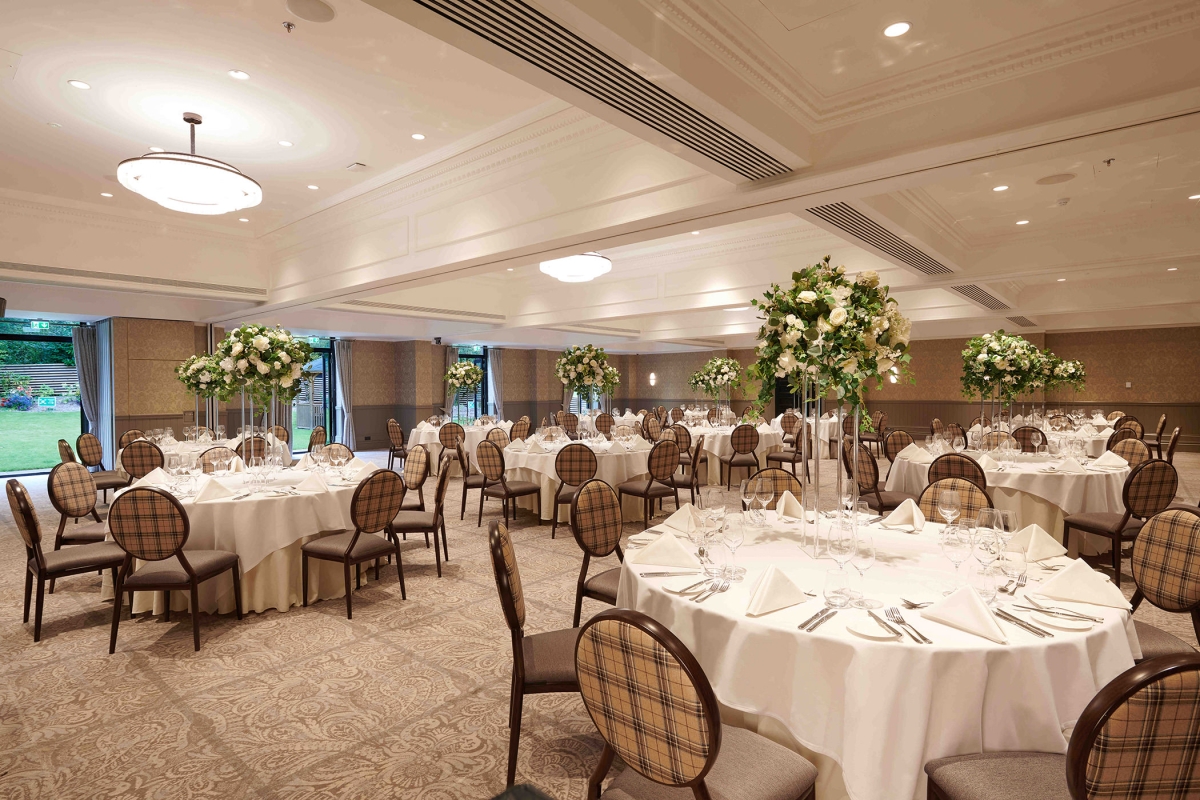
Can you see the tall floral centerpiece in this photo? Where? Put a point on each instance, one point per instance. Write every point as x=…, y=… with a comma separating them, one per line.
x=612, y=379
x=265, y=364
x=583, y=371
x=463, y=375
x=201, y=375
x=719, y=376
x=1066, y=373
x=1000, y=366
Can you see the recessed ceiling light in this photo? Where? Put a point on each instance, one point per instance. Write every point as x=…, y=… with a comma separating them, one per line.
x=896, y=29
x=999, y=188
x=312, y=186
x=1172, y=269
x=157, y=150
x=418, y=136
x=284, y=143
x=79, y=84
x=510, y=269
x=106, y=194
x=1062, y=280
x=739, y=308
x=695, y=233
x=242, y=219
x=54, y=124
x=238, y=74
x=1193, y=197
x=1022, y=222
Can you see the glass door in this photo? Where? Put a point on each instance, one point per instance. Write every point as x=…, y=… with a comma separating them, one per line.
x=39, y=393
x=470, y=404
x=316, y=403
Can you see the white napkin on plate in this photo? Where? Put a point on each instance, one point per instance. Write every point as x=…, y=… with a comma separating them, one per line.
x=312, y=483
x=774, y=590
x=535, y=447
x=1036, y=544
x=517, y=445
x=964, y=610
x=1082, y=584
x=906, y=516
x=788, y=506
x=155, y=477
x=666, y=551
x=1110, y=459
x=917, y=455
x=1069, y=464
x=986, y=462
x=640, y=445
x=686, y=519
x=617, y=447
x=765, y=428
x=212, y=489
x=424, y=426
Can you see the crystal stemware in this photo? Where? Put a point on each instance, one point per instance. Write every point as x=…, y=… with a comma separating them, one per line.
x=949, y=505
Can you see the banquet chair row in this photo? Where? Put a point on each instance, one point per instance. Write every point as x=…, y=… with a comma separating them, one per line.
x=870, y=488
x=795, y=431
x=662, y=464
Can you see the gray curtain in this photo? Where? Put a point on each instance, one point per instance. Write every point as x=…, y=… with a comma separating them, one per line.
x=496, y=380
x=344, y=361
x=451, y=358
x=106, y=416
x=83, y=340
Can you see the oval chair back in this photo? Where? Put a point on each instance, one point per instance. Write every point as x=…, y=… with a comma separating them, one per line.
x=604, y=424
x=712, y=415
x=72, y=491
x=953, y=429
x=663, y=461
x=27, y=521
x=790, y=422
x=1134, y=451
x=1119, y=436
x=1130, y=422
x=416, y=468
x=956, y=465
x=779, y=481
x=140, y=458
x=1114, y=415
x=1170, y=454
x=491, y=461
x=993, y=439
x=676, y=414
x=575, y=464
x=651, y=428
x=210, y=457
x=317, y=437
x=520, y=428
x=91, y=452
x=254, y=447
x=896, y=441
x=1150, y=488
x=683, y=437
x=1165, y=567
x=65, y=454
x=596, y=519
x=376, y=502
x=451, y=434
x=936, y=428
x=971, y=499
x=281, y=434
x=508, y=576
x=130, y=436
x=744, y=439
x=395, y=434
x=868, y=467
x=1024, y=437
x=498, y=436
x=149, y=524
x=570, y=423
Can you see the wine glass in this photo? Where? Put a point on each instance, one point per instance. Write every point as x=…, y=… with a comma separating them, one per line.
x=985, y=522
x=837, y=587
x=987, y=547
x=1035, y=439
x=734, y=536
x=949, y=505
x=956, y=547
x=983, y=581
x=316, y=455
x=1006, y=524
x=862, y=560
x=764, y=493
x=746, y=489
x=958, y=444
x=841, y=542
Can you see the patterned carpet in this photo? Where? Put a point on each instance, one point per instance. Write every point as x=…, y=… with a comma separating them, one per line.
x=407, y=700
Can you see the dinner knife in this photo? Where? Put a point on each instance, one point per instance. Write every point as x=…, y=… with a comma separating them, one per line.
x=1058, y=613
x=666, y=574
x=883, y=624
x=804, y=625
x=1035, y=630
x=823, y=620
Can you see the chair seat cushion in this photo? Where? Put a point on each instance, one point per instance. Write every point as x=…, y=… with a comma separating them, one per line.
x=1001, y=776
x=369, y=545
x=102, y=555
x=515, y=489
x=476, y=481
x=685, y=458
x=1104, y=522
x=604, y=584
x=205, y=563
x=84, y=532
x=414, y=521
x=747, y=766
x=891, y=500
x=567, y=494
x=637, y=488
x=412, y=501
x=110, y=480
x=741, y=460
x=786, y=455
x=1157, y=642
x=550, y=657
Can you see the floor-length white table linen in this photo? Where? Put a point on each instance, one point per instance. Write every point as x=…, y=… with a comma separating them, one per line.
x=825, y=434
x=717, y=445
x=474, y=434
x=612, y=468
x=872, y=713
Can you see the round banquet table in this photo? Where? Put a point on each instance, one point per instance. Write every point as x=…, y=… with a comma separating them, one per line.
x=612, y=468
x=826, y=434
x=196, y=448
x=266, y=531
x=717, y=445
x=587, y=422
x=869, y=714
x=474, y=435
x=1035, y=496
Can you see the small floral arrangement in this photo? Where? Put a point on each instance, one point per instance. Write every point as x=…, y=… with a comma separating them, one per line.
x=585, y=371
x=260, y=360
x=718, y=375
x=200, y=374
x=841, y=332
x=463, y=375
x=1003, y=362
x=1064, y=372
x=612, y=379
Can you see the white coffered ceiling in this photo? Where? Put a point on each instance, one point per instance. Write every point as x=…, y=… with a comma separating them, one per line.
x=894, y=146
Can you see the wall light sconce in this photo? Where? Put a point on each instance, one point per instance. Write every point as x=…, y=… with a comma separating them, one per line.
x=653, y=379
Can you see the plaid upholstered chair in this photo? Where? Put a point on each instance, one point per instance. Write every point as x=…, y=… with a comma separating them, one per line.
x=744, y=441
x=624, y=430
x=470, y=480
x=396, y=449
x=691, y=480
x=1135, y=740
x=570, y=424
x=604, y=424
x=73, y=495
x=936, y=428
x=878, y=431
x=1171, y=445
x=779, y=481
x=575, y=465
x=150, y=525
x=140, y=458
x=676, y=414
x=279, y=432
x=878, y=499
x=1149, y=489
x=1156, y=438
x=129, y=436
x=597, y=526
x=416, y=470
x=711, y=415
x=651, y=428
x=971, y=498
x=65, y=454
x=1119, y=436
x=953, y=429
x=895, y=441
x=491, y=463
x=520, y=428
x=683, y=438
x=1134, y=451
x=428, y=522
x=253, y=447
x=542, y=662
x=1130, y=422
x=794, y=453
x=993, y=439
x=375, y=504
x=498, y=436
x=1167, y=573
x=558, y=417
x=654, y=707
x=956, y=465
x=42, y=566
x=337, y=449
x=317, y=437
x=790, y=422
x=91, y=454
x=1024, y=437
x=661, y=463
x=451, y=434
x=667, y=433
x=986, y=422
x=1114, y=415
x=210, y=457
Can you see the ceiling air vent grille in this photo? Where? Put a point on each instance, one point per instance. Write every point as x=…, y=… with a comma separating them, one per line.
x=118, y=277
x=443, y=312
x=984, y=298
x=533, y=37
x=1024, y=322
x=848, y=219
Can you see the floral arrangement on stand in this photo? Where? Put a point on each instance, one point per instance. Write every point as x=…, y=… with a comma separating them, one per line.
x=584, y=370
x=718, y=376
x=612, y=379
x=263, y=361
x=463, y=375
x=1063, y=372
x=1000, y=364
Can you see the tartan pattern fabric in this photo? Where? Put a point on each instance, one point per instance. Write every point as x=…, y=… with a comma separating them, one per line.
x=663, y=461
x=570, y=423
x=65, y=454
x=683, y=438
x=1149, y=748
x=780, y=481
x=1166, y=560
x=575, y=464
x=1024, y=437
x=712, y=414
x=993, y=439
x=203, y=429
x=520, y=428
x=558, y=418
x=140, y=458
x=667, y=434
x=985, y=422
x=1119, y=436
x=790, y=424
x=498, y=436
x=895, y=442
x=652, y=428
x=1134, y=451
x=1170, y=452
x=624, y=430
x=1162, y=426
x=336, y=449
x=868, y=467
x=604, y=423
x=504, y=561
x=377, y=501
x=254, y=447
x=280, y=433
x=1131, y=423
x=1113, y=415
x=956, y=465
x=148, y=524
x=490, y=459
x=130, y=436
x=936, y=427
x=395, y=434
x=744, y=439
x=643, y=702
x=72, y=490
x=1150, y=488
x=971, y=498
x=596, y=518
x=953, y=429
x=439, y=495
x=848, y=425
x=318, y=436
x=676, y=414
x=451, y=434
x=416, y=467
x=209, y=458
x=24, y=514
x=91, y=452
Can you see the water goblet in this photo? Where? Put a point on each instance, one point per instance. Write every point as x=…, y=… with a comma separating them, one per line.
x=1035, y=439
x=959, y=445
x=862, y=560
x=734, y=536
x=949, y=505
x=983, y=581
x=955, y=542
x=841, y=542
x=746, y=492
x=987, y=547
x=764, y=493
x=837, y=586
x=1006, y=525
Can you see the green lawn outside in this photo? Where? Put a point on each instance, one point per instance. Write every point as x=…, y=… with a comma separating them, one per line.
x=29, y=439
x=300, y=438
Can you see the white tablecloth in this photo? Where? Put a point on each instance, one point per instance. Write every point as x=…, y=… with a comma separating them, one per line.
x=612, y=468
x=474, y=435
x=880, y=710
x=717, y=445
x=195, y=448
x=826, y=434
x=266, y=532
x=1094, y=442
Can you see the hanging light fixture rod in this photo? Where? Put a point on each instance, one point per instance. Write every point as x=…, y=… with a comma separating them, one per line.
x=193, y=120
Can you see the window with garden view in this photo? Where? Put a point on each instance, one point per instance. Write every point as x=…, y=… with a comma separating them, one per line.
x=39, y=393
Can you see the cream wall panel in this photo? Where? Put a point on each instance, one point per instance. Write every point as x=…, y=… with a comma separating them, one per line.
x=382, y=237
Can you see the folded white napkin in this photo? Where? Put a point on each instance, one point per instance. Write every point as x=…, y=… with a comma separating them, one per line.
x=686, y=519
x=212, y=489
x=964, y=610
x=1110, y=459
x=237, y=465
x=362, y=473
x=1017, y=421
x=975, y=428
x=774, y=590
x=312, y=483
x=765, y=428
x=987, y=462
x=1069, y=464
x=1036, y=544
x=305, y=462
x=1099, y=420
x=907, y=516
x=1088, y=430
x=356, y=464
x=617, y=447
x=535, y=447
x=156, y=477
x=666, y=551
x=788, y=506
x=516, y=445
x=917, y=455
x=640, y=445
x=1081, y=584
x=424, y=426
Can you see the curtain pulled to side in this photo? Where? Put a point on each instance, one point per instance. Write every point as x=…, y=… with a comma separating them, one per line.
x=496, y=379
x=451, y=359
x=343, y=358
x=105, y=425
x=87, y=364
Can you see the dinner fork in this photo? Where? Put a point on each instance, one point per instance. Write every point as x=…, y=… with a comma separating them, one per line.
x=909, y=604
x=716, y=588
x=893, y=614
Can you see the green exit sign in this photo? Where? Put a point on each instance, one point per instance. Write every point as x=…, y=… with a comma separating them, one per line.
x=314, y=340
x=40, y=325
x=47, y=402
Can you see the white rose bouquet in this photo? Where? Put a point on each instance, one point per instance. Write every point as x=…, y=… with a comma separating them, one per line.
x=584, y=371
x=463, y=375
x=1063, y=372
x=200, y=375
x=1001, y=362
x=260, y=360
x=717, y=376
